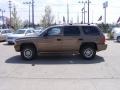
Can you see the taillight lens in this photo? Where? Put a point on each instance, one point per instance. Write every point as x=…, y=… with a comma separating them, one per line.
x=102, y=40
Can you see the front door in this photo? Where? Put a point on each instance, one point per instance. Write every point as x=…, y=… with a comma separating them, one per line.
x=51, y=42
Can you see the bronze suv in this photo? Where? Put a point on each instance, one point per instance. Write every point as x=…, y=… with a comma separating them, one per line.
x=85, y=40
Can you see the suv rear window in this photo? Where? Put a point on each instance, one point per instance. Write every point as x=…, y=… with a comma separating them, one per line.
x=88, y=30
x=71, y=31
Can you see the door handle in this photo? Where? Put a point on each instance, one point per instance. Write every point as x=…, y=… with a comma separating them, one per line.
x=58, y=39
x=80, y=39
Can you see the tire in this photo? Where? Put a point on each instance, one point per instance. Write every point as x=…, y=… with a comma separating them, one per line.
x=118, y=39
x=88, y=52
x=10, y=43
x=28, y=53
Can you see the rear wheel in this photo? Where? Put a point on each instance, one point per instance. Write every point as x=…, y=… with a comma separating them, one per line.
x=28, y=53
x=88, y=52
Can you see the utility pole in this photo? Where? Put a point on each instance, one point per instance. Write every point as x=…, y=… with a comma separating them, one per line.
x=67, y=12
x=10, y=6
x=105, y=16
x=88, y=12
x=2, y=11
x=3, y=17
x=78, y=17
x=33, y=13
x=29, y=3
x=84, y=13
x=14, y=11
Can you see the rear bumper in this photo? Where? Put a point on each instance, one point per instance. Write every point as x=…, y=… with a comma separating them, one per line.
x=101, y=47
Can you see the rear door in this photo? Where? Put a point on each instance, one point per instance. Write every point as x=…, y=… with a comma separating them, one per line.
x=91, y=33
x=71, y=38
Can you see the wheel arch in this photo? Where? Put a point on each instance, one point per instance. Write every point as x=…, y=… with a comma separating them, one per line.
x=28, y=45
x=94, y=45
x=118, y=38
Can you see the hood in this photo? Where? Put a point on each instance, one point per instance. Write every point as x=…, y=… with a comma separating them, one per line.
x=16, y=35
x=26, y=39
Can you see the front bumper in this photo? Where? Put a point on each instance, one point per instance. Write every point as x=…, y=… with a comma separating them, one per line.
x=11, y=41
x=101, y=47
x=2, y=38
x=17, y=48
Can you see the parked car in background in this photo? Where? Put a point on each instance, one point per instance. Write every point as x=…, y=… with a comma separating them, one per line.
x=20, y=33
x=39, y=30
x=4, y=33
x=116, y=33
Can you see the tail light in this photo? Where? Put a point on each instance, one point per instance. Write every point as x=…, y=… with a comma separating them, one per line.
x=102, y=40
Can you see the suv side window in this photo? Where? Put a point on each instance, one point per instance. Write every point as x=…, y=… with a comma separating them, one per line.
x=55, y=31
x=71, y=31
x=28, y=31
x=88, y=30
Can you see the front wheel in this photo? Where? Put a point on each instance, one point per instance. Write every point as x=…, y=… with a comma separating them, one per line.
x=28, y=53
x=118, y=39
x=88, y=52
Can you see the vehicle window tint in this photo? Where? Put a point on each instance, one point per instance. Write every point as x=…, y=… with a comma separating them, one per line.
x=20, y=31
x=29, y=31
x=71, y=31
x=90, y=30
x=3, y=32
x=8, y=31
x=54, y=31
x=32, y=31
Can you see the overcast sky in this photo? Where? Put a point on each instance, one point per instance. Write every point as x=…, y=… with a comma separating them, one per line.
x=59, y=9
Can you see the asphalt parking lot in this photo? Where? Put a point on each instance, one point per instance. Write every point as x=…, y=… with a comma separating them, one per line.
x=60, y=72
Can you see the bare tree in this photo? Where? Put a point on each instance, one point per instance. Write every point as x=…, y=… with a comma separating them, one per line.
x=47, y=18
x=15, y=22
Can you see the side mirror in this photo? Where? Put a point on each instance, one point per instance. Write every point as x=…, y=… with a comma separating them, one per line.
x=45, y=34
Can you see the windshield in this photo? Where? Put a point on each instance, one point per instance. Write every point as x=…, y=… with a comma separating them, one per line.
x=20, y=32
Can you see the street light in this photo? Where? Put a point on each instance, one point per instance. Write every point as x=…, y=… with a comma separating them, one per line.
x=83, y=9
x=2, y=15
x=29, y=3
x=82, y=14
x=105, y=5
